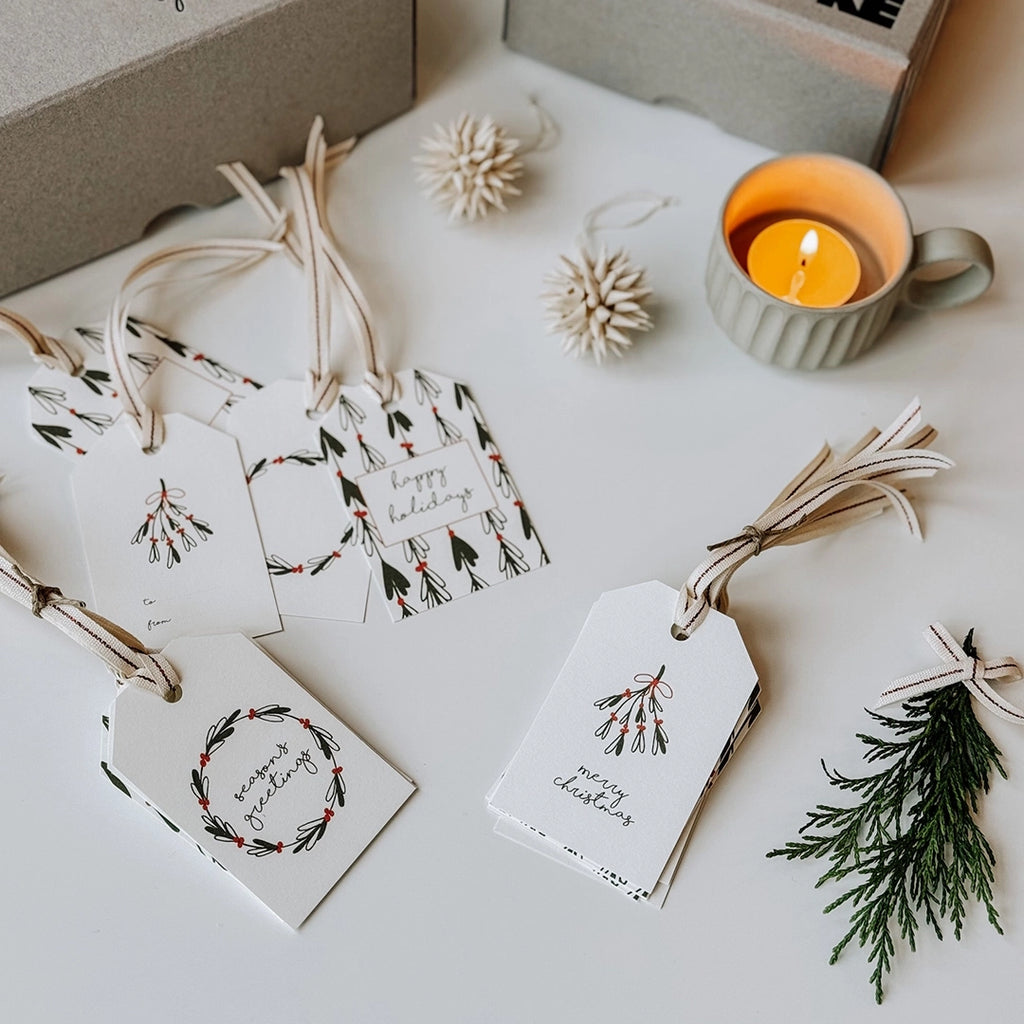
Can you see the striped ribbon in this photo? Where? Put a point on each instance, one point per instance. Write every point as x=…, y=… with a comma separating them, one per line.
x=958, y=667
x=126, y=656
x=830, y=493
x=54, y=355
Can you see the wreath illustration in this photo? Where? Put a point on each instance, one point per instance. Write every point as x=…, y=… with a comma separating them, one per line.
x=309, y=833
x=636, y=706
x=171, y=525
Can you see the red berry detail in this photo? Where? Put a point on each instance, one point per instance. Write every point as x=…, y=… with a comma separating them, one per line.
x=359, y=438
x=451, y=533
x=401, y=603
x=304, y=722
x=72, y=411
x=279, y=460
x=615, y=717
x=624, y=730
x=336, y=771
x=239, y=842
x=421, y=566
x=204, y=760
x=641, y=728
x=252, y=714
x=628, y=693
x=433, y=409
x=79, y=451
x=198, y=357
x=204, y=804
x=328, y=814
x=335, y=554
x=297, y=568
x=658, y=721
x=518, y=504
x=360, y=513
x=280, y=847
x=494, y=458
x=499, y=536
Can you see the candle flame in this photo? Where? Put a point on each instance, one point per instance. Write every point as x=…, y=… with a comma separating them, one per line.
x=809, y=244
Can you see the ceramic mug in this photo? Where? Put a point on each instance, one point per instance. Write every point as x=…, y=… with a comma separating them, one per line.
x=860, y=204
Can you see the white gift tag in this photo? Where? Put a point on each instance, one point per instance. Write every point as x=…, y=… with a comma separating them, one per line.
x=255, y=771
x=306, y=533
x=623, y=748
x=432, y=502
x=72, y=413
x=170, y=537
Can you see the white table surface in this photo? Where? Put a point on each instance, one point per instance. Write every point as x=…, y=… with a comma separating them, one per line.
x=629, y=470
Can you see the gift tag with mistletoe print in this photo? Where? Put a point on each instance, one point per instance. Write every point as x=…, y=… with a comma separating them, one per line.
x=170, y=537
x=432, y=502
x=307, y=536
x=255, y=771
x=624, y=747
x=71, y=413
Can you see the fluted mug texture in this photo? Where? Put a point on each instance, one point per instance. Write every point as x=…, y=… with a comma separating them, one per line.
x=864, y=207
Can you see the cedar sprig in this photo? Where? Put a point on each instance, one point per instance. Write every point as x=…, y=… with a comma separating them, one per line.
x=911, y=847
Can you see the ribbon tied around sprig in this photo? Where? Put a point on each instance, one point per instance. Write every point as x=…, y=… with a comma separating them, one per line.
x=958, y=667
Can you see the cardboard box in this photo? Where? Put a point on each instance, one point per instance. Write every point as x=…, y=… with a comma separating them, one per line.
x=115, y=111
x=815, y=75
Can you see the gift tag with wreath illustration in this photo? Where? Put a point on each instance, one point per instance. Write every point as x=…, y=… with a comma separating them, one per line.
x=431, y=499
x=170, y=537
x=71, y=413
x=315, y=569
x=623, y=748
x=255, y=771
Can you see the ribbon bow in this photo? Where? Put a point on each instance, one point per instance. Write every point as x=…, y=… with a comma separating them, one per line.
x=958, y=667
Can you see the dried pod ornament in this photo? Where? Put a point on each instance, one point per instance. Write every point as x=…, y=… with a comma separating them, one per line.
x=595, y=300
x=473, y=165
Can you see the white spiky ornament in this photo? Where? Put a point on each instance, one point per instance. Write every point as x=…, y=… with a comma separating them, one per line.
x=595, y=301
x=471, y=166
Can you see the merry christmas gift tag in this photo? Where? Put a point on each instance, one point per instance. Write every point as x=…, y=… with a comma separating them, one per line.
x=170, y=537
x=72, y=413
x=432, y=503
x=255, y=771
x=307, y=535
x=622, y=750
x=534, y=840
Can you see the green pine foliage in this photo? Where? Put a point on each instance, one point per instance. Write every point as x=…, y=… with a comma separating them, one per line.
x=910, y=850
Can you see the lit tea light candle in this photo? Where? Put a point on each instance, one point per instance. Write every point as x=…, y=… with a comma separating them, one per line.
x=804, y=262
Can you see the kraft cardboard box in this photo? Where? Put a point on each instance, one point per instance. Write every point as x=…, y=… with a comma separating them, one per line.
x=831, y=75
x=114, y=111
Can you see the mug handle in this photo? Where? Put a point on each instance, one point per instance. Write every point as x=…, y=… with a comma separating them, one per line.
x=942, y=245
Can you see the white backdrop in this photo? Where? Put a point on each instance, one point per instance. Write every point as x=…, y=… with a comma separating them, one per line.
x=108, y=917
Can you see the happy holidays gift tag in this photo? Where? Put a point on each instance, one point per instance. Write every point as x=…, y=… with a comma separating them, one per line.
x=623, y=748
x=170, y=537
x=431, y=500
x=307, y=536
x=255, y=771
x=70, y=413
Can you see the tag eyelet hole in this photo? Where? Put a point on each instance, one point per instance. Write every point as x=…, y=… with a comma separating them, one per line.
x=314, y=414
x=677, y=634
x=174, y=694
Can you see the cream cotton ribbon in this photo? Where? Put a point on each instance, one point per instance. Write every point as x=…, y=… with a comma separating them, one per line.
x=958, y=667
x=123, y=654
x=51, y=353
x=831, y=493
x=310, y=243
x=305, y=237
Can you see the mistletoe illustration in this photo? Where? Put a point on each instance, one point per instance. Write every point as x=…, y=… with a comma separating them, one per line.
x=636, y=706
x=55, y=400
x=364, y=533
x=170, y=525
x=307, y=834
x=911, y=845
x=499, y=471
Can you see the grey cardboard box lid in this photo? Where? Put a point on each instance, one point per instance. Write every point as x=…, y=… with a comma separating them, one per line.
x=114, y=111
x=791, y=74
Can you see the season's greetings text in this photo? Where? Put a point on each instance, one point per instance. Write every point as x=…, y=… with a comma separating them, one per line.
x=266, y=781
